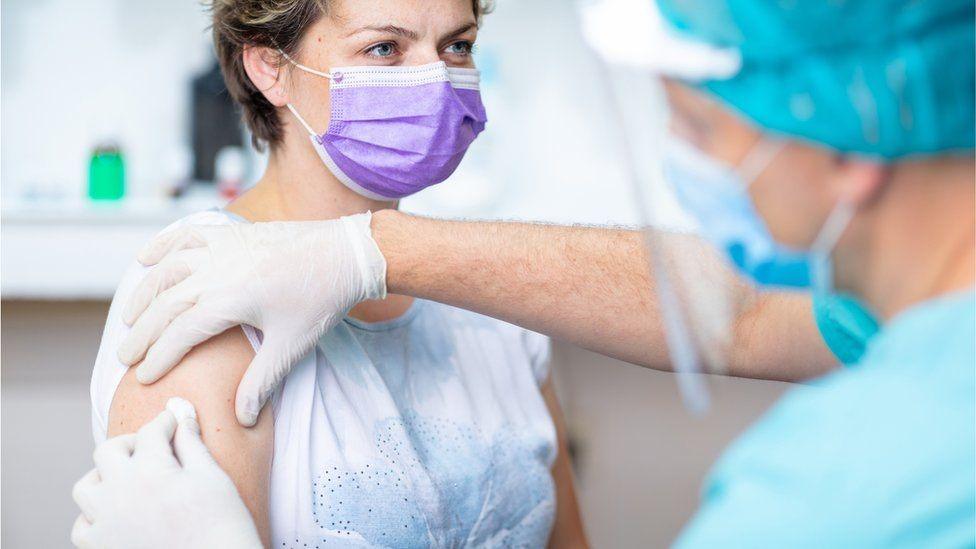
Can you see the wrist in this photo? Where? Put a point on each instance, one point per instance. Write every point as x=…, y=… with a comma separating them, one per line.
x=388, y=228
x=369, y=260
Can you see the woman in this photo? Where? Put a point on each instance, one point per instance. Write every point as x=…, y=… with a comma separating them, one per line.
x=411, y=423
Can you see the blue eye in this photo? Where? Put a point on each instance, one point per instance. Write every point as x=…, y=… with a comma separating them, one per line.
x=386, y=49
x=462, y=48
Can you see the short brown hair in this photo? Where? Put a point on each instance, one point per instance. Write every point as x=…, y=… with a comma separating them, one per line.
x=272, y=24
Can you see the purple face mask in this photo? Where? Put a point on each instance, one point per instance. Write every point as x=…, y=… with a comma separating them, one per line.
x=395, y=131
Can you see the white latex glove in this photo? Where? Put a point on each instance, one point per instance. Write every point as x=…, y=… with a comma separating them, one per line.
x=292, y=281
x=143, y=495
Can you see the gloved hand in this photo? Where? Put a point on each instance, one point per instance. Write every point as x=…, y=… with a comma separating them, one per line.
x=293, y=281
x=142, y=495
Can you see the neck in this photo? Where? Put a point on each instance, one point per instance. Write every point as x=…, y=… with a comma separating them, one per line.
x=296, y=186
x=916, y=241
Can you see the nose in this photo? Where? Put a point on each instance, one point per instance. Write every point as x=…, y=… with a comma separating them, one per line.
x=423, y=53
x=424, y=59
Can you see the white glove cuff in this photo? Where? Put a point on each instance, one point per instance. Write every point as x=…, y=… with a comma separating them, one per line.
x=230, y=536
x=372, y=264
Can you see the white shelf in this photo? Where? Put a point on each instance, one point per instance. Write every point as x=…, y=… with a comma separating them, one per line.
x=79, y=250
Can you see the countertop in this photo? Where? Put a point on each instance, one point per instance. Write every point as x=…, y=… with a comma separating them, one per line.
x=70, y=250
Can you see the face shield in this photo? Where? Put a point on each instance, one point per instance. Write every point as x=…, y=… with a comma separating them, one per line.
x=699, y=294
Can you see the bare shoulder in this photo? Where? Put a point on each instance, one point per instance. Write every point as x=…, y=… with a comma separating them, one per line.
x=208, y=377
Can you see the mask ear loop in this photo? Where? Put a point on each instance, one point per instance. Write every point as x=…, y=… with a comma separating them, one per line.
x=758, y=159
x=834, y=227
x=301, y=120
x=304, y=68
x=821, y=275
x=309, y=70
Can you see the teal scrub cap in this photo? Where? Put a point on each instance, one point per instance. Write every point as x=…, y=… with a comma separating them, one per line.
x=884, y=78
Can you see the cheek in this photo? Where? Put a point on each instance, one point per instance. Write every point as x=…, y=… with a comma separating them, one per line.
x=790, y=200
x=310, y=95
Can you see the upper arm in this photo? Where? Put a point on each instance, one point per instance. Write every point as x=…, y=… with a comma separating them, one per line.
x=208, y=377
x=567, y=531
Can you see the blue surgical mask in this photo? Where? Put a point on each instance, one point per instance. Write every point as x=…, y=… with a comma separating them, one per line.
x=717, y=196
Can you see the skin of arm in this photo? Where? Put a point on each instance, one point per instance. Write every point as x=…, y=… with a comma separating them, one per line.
x=208, y=377
x=587, y=286
x=567, y=530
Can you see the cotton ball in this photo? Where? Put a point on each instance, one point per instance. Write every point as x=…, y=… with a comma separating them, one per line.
x=182, y=409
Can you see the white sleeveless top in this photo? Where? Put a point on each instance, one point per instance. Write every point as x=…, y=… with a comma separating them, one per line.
x=428, y=430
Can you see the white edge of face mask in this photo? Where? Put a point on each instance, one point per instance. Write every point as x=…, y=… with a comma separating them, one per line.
x=341, y=175
x=356, y=77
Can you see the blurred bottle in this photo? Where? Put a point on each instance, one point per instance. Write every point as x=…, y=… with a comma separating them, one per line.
x=106, y=173
x=178, y=163
x=230, y=168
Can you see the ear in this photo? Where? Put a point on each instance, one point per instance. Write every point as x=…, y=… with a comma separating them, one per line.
x=858, y=180
x=262, y=67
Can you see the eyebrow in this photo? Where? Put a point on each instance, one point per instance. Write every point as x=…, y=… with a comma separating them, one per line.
x=409, y=34
x=391, y=29
x=460, y=30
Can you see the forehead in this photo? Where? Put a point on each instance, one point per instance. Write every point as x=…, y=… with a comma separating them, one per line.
x=415, y=14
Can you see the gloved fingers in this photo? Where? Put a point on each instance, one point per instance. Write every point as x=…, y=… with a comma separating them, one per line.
x=167, y=307
x=271, y=364
x=187, y=236
x=113, y=455
x=173, y=270
x=153, y=442
x=81, y=533
x=190, y=449
x=83, y=492
x=189, y=329
x=187, y=444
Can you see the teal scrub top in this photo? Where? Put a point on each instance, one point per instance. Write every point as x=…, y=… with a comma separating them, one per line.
x=881, y=454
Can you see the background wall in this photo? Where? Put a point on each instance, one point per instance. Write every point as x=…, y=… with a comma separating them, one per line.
x=74, y=73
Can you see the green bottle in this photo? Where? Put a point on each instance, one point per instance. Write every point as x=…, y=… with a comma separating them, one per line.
x=106, y=173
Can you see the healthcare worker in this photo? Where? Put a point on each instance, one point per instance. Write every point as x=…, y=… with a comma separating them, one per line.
x=836, y=156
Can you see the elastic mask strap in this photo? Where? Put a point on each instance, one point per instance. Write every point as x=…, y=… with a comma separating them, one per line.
x=304, y=68
x=302, y=120
x=833, y=228
x=308, y=70
x=822, y=272
x=758, y=159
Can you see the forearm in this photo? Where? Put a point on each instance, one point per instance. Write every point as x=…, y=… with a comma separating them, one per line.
x=587, y=286
x=777, y=338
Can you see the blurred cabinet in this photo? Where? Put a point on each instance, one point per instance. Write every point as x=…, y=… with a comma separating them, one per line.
x=79, y=251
